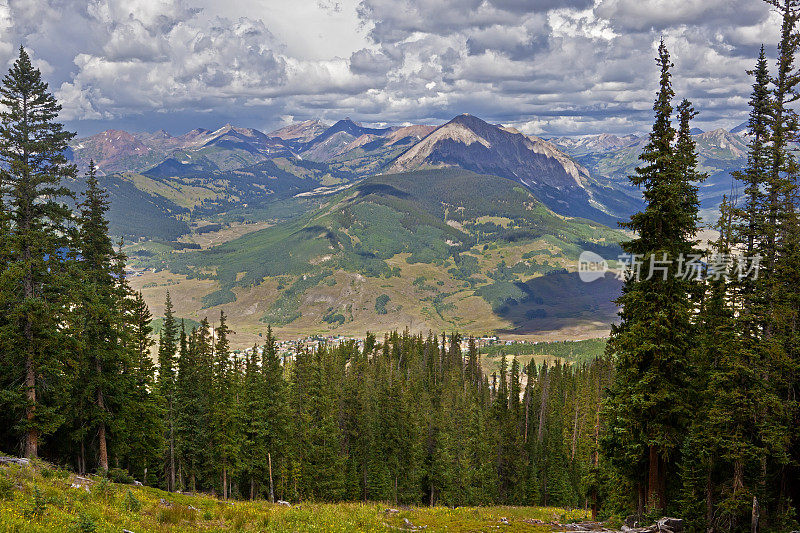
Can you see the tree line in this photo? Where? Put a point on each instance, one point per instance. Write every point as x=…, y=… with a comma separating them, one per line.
x=410, y=420
x=702, y=416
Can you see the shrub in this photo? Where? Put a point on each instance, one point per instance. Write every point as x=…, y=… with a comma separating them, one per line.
x=6, y=488
x=131, y=502
x=175, y=515
x=103, y=489
x=118, y=475
x=84, y=524
x=38, y=505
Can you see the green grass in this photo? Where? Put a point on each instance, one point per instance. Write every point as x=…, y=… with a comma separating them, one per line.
x=42, y=499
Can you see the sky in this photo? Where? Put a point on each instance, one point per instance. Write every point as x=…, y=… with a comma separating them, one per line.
x=547, y=67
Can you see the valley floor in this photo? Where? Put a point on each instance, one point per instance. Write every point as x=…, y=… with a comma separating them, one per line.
x=45, y=499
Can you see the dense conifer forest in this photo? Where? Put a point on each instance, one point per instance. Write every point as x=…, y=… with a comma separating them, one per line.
x=692, y=409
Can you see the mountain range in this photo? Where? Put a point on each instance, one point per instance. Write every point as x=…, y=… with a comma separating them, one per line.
x=611, y=159
x=341, y=227
x=204, y=169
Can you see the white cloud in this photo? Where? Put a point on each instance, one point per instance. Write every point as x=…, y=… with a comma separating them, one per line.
x=554, y=66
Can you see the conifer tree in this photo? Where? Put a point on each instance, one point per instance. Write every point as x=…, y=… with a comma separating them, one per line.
x=276, y=405
x=740, y=429
x=782, y=268
x=167, y=352
x=142, y=439
x=649, y=407
x=747, y=219
x=225, y=438
x=33, y=284
x=192, y=421
x=255, y=419
x=783, y=126
x=324, y=466
x=101, y=316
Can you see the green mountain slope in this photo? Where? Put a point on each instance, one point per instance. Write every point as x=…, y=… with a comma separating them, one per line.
x=436, y=248
x=163, y=202
x=135, y=213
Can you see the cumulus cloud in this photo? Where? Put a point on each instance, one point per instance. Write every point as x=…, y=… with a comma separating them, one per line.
x=589, y=64
x=662, y=14
x=545, y=66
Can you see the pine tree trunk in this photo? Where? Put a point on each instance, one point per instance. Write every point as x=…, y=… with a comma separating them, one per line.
x=709, y=501
x=543, y=408
x=102, y=448
x=172, y=465
x=271, y=489
x=101, y=432
x=642, y=490
x=655, y=496
x=527, y=410
x=82, y=459
x=31, y=435
x=171, y=449
x=224, y=482
x=738, y=476
x=755, y=516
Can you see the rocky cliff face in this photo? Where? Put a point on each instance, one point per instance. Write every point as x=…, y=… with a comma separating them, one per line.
x=473, y=144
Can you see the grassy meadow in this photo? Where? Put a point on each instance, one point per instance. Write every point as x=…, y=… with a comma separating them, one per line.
x=42, y=498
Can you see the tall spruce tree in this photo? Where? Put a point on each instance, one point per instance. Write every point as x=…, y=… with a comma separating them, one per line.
x=741, y=429
x=142, y=413
x=275, y=403
x=747, y=217
x=33, y=284
x=167, y=353
x=101, y=317
x=648, y=405
x=192, y=425
x=782, y=273
x=224, y=414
